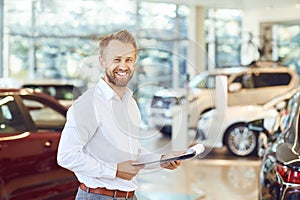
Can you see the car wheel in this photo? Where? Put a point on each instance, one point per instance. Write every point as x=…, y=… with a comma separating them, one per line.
x=240, y=140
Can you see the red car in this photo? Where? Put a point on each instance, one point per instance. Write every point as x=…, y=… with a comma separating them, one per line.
x=30, y=129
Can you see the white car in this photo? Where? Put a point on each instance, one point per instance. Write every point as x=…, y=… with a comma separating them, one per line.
x=229, y=127
x=246, y=86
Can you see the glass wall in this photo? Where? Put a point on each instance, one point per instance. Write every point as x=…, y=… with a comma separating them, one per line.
x=223, y=36
x=59, y=40
x=288, y=44
x=51, y=39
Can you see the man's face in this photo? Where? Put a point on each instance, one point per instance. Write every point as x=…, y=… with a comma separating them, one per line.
x=118, y=62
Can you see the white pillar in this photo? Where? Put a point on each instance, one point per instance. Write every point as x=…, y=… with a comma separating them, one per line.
x=221, y=93
x=180, y=127
x=219, y=116
x=180, y=122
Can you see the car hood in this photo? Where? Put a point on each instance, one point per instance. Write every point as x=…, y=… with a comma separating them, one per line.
x=248, y=112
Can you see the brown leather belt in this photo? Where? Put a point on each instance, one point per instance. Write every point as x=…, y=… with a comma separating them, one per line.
x=106, y=192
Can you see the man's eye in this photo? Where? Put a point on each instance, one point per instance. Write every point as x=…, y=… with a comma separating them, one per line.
x=117, y=60
x=130, y=60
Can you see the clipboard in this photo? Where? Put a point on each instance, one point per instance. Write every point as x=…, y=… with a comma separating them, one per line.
x=190, y=153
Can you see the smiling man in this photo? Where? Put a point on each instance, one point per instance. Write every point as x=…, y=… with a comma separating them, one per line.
x=100, y=140
x=118, y=58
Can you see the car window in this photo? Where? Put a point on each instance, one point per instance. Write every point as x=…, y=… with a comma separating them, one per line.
x=271, y=79
x=66, y=92
x=292, y=111
x=246, y=80
x=259, y=80
x=288, y=114
x=204, y=82
x=11, y=119
x=290, y=136
x=60, y=92
x=44, y=116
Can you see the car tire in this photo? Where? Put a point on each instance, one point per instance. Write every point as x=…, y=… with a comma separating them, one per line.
x=240, y=140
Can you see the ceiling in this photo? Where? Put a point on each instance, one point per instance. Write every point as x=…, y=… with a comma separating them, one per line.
x=241, y=4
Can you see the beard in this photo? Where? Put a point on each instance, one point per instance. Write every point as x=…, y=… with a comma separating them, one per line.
x=118, y=81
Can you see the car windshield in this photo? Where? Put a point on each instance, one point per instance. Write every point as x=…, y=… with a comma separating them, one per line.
x=11, y=118
x=60, y=92
x=204, y=81
x=207, y=80
x=288, y=119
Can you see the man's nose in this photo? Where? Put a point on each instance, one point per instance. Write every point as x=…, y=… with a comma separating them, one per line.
x=123, y=64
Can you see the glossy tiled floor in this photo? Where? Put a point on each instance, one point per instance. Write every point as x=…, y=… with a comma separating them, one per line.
x=205, y=178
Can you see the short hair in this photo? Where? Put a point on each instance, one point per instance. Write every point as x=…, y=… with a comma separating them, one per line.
x=122, y=36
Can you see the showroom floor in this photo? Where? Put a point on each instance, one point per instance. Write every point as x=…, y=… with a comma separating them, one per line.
x=214, y=176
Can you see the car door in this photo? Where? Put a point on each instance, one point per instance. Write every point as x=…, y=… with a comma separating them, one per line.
x=259, y=87
x=29, y=169
x=18, y=150
x=49, y=119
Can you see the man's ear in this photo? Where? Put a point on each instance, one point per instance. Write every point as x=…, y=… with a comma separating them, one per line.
x=101, y=61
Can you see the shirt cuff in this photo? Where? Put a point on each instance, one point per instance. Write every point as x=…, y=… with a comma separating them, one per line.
x=109, y=170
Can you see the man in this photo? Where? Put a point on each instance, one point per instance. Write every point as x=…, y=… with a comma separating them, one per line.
x=100, y=140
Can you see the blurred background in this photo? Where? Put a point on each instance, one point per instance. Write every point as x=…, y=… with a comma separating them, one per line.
x=59, y=39
x=51, y=46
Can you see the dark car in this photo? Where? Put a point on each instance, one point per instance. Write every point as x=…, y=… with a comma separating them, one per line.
x=280, y=168
x=30, y=129
x=65, y=92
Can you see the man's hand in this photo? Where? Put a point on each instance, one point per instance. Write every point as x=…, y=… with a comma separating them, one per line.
x=126, y=171
x=173, y=164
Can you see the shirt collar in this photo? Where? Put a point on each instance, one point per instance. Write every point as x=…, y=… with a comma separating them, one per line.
x=109, y=93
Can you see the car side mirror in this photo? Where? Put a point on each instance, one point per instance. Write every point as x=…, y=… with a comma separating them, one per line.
x=234, y=87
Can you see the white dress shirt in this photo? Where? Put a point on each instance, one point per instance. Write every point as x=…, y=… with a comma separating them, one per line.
x=101, y=131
